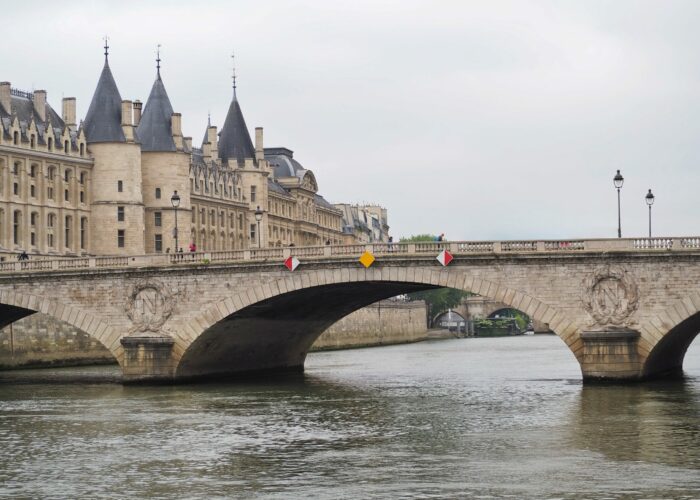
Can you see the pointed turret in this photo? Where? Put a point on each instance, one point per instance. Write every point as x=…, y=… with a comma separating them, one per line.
x=234, y=139
x=155, y=130
x=103, y=122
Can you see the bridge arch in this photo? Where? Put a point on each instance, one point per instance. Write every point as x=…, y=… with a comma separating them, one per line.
x=273, y=325
x=666, y=337
x=15, y=306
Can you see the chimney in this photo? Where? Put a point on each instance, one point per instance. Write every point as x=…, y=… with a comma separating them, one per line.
x=40, y=104
x=259, y=150
x=211, y=138
x=188, y=143
x=176, y=124
x=5, y=100
x=176, y=128
x=127, y=120
x=137, y=112
x=127, y=108
x=69, y=111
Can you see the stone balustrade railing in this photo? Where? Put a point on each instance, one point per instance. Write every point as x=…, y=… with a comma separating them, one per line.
x=344, y=251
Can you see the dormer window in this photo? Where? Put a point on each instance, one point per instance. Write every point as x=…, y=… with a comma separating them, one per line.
x=65, y=147
x=50, y=144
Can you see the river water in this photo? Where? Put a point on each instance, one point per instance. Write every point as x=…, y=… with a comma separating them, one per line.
x=462, y=418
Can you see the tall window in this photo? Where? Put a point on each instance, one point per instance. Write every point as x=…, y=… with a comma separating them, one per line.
x=66, y=195
x=252, y=193
x=83, y=176
x=252, y=233
x=69, y=223
x=83, y=232
x=120, y=214
x=32, y=191
x=158, y=219
x=66, y=175
x=120, y=186
x=157, y=193
x=15, y=188
x=120, y=238
x=17, y=227
x=52, y=173
x=32, y=171
x=49, y=193
x=159, y=243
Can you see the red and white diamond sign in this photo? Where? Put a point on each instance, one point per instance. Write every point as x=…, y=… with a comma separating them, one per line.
x=444, y=257
x=291, y=263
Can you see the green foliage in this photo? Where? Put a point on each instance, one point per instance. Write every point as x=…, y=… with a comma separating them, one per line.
x=441, y=299
x=417, y=238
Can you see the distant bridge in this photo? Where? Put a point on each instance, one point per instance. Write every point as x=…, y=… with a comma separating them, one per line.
x=627, y=308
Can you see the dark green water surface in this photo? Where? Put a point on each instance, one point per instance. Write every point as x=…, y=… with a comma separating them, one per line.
x=465, y=418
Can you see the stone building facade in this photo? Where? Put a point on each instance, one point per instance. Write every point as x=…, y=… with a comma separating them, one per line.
x=105, y=186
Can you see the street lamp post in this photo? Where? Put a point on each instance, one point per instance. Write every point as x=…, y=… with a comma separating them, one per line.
x=258, y=218
x=175, y=200
x=618, y=180
x=649, y=198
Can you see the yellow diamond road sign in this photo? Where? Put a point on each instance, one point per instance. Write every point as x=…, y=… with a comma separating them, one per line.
x=367, y=259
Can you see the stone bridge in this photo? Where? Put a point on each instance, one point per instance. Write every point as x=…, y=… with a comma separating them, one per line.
x=627, y=309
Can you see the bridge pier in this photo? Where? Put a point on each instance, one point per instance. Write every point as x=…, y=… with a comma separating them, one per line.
x=148, y=359
x=611, y=355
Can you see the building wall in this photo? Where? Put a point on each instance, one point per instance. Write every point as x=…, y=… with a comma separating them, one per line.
x=163, y=174
x=34, y=182
x=115, y=163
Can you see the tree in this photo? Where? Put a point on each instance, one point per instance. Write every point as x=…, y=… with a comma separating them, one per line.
x=417, y=237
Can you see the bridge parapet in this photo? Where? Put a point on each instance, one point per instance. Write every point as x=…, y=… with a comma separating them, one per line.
x=457, y=248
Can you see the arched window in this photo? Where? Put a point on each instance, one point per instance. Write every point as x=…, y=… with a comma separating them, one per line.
x=66, y=175
x=52, y=173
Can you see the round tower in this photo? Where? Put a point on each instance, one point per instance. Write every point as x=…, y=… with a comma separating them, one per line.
x=165, y=165
x=117, y=222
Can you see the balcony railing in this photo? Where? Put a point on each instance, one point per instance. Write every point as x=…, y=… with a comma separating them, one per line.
x=379, y=250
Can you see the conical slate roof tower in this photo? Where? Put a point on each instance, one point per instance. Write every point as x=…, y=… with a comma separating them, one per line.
x=155, y=128
x=234, y=139
x=103, y=122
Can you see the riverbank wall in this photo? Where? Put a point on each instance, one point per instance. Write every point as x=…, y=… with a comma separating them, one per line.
x=384, y=323
x=39, y=340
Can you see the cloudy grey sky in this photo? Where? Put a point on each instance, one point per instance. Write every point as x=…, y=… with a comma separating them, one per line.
x=483, y=120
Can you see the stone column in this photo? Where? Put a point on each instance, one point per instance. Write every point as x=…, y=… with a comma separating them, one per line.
x=611, y=354
x=148, y=359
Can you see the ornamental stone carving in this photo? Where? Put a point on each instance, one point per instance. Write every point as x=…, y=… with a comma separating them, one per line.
x=610, y=295
x=149, y=305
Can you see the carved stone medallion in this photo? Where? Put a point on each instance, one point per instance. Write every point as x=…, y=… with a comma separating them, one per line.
x=610, y=295
x=149, y=306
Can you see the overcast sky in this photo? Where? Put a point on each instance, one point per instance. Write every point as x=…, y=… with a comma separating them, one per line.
x=483, y=120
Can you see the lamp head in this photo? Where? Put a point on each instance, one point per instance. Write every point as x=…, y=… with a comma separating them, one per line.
x=175, y=199
x=649, y=198
x=618, y=180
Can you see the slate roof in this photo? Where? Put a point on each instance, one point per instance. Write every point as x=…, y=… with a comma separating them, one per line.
x=154, y=129
x=275, y=187
x=322, y=202
x=283, y=163
x=22, y=107
x=103, y=121
x=234, y=139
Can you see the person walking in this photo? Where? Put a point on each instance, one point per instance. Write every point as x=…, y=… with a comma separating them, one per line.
x=193, y=247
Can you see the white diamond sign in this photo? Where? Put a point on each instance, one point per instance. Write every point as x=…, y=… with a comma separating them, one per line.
x=444, y=257
x=291, y=263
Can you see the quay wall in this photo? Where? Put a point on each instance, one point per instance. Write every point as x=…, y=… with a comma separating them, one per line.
x=40, y=340
x=384, y=323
